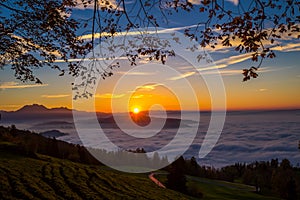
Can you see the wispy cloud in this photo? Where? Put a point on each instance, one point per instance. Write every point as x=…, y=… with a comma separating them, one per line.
x=133, y=33
x=138, y=96
x=15, y=85
x=88, y=59
x=237, y=59
x=230, y=72
x=226, y=72
x=148, y=87
x=235, y=2
x=287, y=47
x=225, y=62
x=288, y=42
x=96, y=35
x=195, y=1
x=220, y=66
x=136, y=73
x=185, y=75
x=55, y=53
x=109, y=96
x=262, y=89
x=112, y=3
x=11, y=106
x=55, y=96
x=233, y=59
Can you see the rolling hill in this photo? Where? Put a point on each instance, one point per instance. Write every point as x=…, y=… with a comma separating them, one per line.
x=27, y=174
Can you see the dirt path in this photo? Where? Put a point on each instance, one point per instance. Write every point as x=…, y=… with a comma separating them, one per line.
x=152, y=178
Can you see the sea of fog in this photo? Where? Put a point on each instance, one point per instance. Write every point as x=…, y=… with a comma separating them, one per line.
x=246, y=137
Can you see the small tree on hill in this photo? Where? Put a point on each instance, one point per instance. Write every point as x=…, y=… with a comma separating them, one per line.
x=176, y=178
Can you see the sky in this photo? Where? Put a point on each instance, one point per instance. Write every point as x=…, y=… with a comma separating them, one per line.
x=149, y=86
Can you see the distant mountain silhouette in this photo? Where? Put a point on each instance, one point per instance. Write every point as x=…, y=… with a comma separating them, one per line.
x=36, y=108
x=32, y=108
x=40, y=116
x=36, y=112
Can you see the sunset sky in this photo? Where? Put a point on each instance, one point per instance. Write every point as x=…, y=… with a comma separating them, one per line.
x=277, y=86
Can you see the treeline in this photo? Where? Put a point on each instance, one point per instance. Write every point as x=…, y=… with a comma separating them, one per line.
x=30, y=144
x=275, y=178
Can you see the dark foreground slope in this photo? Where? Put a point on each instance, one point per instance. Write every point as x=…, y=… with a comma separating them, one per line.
x=51, y=178
x=31, y=168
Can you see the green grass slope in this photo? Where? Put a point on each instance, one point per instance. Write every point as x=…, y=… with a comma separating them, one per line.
x=214, y=189
x=220, y=190
x=50, y=178
x=28, y=171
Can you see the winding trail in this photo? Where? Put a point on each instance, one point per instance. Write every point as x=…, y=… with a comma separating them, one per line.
x=157, y=182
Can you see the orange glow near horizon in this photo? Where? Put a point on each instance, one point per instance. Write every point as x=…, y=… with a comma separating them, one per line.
x=142, y=99
x=136, y=110
x=156, y=99
x=146, y=99
x=270, y=92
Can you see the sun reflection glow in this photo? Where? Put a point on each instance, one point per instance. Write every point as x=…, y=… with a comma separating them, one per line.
x=136, y=110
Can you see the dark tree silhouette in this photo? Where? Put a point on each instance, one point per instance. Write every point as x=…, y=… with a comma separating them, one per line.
x=36, y=33
x=176, y=178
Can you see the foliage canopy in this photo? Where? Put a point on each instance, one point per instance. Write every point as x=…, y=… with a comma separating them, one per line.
x=36, y=33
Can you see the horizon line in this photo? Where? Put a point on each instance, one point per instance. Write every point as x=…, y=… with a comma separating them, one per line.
x=170, y=110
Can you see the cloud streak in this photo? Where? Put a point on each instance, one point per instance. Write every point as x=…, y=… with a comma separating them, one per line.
x=287, y=47
x=185, y=75
x=133, y=33
x=109, y=96
x=136, y=73
x=231, y=72
x=225, y=62
x=15, y=85
x=55, y=96
x=197, y=2
x=262, y=90
x=219, y=66
x=113, y=3
x=148, y=87
x=235, y=2
x=138, y=96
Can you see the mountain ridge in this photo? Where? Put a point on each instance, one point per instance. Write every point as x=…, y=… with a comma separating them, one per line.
x=36, y=111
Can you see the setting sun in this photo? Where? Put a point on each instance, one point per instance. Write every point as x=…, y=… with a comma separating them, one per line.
x=136, y=110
